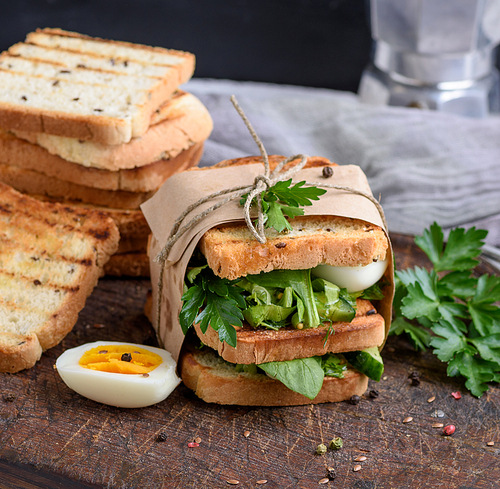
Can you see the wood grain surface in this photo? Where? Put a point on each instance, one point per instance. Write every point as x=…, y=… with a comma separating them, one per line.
x=51, y=437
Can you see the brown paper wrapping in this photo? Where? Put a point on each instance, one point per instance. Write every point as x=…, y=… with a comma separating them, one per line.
x=184, y=189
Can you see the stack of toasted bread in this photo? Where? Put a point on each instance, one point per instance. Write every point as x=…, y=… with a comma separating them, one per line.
x=100, y=123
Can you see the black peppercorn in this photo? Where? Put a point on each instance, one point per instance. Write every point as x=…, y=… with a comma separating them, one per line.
x=373, y=393
x=354, y=400
x=415, y=378
x=330, y=473
x=126, y=357
x=327, y=172
x=161, y=437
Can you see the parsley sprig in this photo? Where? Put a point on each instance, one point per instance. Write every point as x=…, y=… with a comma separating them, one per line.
x=450, y=309
x=283, y=199
x=212, y=301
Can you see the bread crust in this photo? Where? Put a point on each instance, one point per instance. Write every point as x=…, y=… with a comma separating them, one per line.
x=106, y=130
x=31, y=157
x=263, y=345
x=133, y=264
x=222, y=385
x=131, y=222
x=33, y=182
x=18, y=352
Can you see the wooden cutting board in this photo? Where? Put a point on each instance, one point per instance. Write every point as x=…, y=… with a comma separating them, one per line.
x=51, y=437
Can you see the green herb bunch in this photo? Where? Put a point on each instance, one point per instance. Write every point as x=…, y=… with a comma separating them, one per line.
x=213, y=301
x=450, y=309
x=284, y=199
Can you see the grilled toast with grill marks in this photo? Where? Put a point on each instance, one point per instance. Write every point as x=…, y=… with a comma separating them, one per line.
x=51, y=257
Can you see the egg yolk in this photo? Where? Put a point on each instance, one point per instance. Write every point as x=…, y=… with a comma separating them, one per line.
x=120, y=359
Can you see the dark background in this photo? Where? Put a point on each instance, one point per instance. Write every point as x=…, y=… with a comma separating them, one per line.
x=319, y=43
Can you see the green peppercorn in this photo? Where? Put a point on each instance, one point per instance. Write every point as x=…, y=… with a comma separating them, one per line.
x=321, y=449
x=337, y=443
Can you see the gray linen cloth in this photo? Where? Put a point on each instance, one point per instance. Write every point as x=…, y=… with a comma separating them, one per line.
x=425, y=166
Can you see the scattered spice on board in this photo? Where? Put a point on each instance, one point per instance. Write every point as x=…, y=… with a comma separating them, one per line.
x=362, y=458
x=356, y=468
x=162, y=437
x=449, y=430
x=456, y=395
x=246, y=434
x=437, y=425
x=197, y=440
x=431, y=399
x=373, y=393
x=414, y=378
x=193, y=444
x=491, y=443
x=321, y=449
x=354, y=399
x=330, y=472
x=327, y=172
x=438, y=414
x=326, y=480
x=337, y=443
x=233, y=482
x=262, y=481
x=408, y=419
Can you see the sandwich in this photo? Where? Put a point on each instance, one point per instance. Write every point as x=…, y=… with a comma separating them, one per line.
x=290, y=321
x=98, y=122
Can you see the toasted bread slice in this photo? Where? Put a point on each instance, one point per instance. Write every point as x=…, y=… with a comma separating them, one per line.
x=131, y=264
x=131, y=222
x=87, y=99
x=32, y=157
x=51, y=257
x=214, y=380
x=231, y=251
x=176, y=126
x=261, y=345
x=148, y=177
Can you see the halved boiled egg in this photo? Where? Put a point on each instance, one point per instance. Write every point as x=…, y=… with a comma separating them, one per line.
x=119, y=374
x=354, y=279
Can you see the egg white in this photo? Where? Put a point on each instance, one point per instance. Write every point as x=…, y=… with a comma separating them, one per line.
x=114, y=389
x=354, y=279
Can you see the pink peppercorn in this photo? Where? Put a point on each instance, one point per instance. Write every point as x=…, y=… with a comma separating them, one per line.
x=456, y=395
x=449, y=430
x=193, y=444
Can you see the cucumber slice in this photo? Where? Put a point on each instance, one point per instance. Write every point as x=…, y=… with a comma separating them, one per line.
x=368, y=362
x=342, y=311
